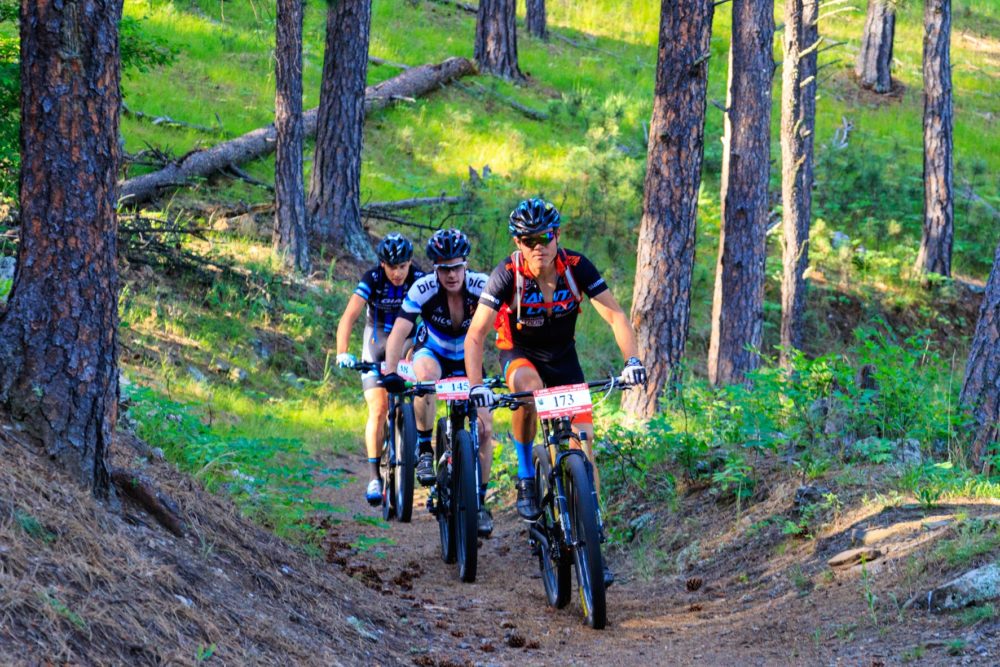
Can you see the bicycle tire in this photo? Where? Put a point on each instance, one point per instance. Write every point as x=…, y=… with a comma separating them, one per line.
x=443, y=492
x=388, y=474
x=406, y=461
x=466, y=506
x=587, y=552
x=555, y=569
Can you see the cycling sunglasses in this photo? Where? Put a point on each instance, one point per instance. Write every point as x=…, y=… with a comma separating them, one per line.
x=448, y=268
x=544, y=238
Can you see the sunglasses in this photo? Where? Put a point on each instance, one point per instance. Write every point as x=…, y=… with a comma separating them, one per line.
x=537, y=239
x=449, y=268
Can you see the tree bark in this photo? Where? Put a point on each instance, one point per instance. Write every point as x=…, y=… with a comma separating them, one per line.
x=58, y=336
x=981, y=389
x=939, y=215
x=496, y=39
x=258, y=143
x=291, y=238
x=534, y=18
x=661, y=298
x=874, y=64
x=738, y=304
x=798, y=120
x=334, y=204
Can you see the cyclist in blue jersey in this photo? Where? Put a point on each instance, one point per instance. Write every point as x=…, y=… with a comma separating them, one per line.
x=382, y=289
x=445, y=301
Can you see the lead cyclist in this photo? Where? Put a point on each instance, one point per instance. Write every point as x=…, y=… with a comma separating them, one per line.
x=533, y=299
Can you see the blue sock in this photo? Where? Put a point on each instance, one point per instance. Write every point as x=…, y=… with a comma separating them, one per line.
x=424, y=441
x=525, y=469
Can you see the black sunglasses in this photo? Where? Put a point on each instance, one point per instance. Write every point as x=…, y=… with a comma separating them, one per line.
x=537, y=239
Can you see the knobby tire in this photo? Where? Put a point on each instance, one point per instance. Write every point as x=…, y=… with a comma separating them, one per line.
x=466, y=505
x=556, y=573
x=587, y=554
x=406, y=460
x=445, y=505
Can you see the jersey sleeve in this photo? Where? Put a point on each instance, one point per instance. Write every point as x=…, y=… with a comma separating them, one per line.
x=587, y=277
x=417, y=296
x=499, y=287
x=366, y=286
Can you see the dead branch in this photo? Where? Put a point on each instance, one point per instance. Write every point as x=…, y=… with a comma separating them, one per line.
x=140, y=489
x=416, y=202
x=533, y=114
x=167, y=121
x=412, y=82
x=464, y=6
x=388, y=63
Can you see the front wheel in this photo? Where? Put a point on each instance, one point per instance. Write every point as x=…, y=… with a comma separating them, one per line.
x=388, y=466
x=466, y=506
x=444, y=502
x=406, y=459
x=587, y=551
x=553, y=564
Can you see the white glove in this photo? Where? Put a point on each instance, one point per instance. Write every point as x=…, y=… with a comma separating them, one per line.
x=634, y=372
x=346, y=360
x=481, y=396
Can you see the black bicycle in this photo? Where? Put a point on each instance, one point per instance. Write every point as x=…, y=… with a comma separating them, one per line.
x=454, y=498
x=569, y=530
x=399, y=450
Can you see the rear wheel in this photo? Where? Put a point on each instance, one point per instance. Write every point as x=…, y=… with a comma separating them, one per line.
x=445, y=504
x=554, y=566
x=587, y=552
x=466, y=506
x=406, y=459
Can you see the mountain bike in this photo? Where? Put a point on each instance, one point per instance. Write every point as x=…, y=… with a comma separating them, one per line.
x=399, y=447
x=569, y=530
x=454, y=498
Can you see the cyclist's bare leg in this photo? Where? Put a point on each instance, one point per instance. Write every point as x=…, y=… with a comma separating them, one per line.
x=588, y=448
x=426, y=369
x=378, y=407
x=485, y=423
x=524, y=421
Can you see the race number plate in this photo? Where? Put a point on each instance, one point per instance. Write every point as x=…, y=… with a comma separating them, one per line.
x=404, y=369
x=565, y=401
x=452, y=389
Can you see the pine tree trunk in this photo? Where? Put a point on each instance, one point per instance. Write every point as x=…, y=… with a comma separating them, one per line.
x=58, y=336
x=738, y=304
x=981, y=389
x=291, y=238
x=334, y=205
x=534, y=18
x=798, y=120
x=661, y=299
x=496, y=39
x=874, y=64
x=939, y=217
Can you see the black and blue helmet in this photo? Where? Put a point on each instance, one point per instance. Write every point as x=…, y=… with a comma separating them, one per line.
x=533, y=216
x=394, y=249
x=447, y=244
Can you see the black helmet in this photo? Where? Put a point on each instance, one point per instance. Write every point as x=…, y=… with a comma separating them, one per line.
x=394, y=249
x=447, y=244
x=533, y=216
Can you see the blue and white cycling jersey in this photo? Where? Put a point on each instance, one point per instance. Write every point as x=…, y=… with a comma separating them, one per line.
x=426, y=300
x=383, y=299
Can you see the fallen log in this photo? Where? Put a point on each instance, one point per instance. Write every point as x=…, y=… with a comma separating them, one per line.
x=412, y=82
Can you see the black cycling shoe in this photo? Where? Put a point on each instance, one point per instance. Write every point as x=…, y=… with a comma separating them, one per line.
x=484, y=522
x=609, y=576
x=425, y=469
x=527, y=503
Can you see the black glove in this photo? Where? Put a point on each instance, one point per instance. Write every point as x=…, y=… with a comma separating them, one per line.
x=393, y=383
x=482, y=397
x=635, y=372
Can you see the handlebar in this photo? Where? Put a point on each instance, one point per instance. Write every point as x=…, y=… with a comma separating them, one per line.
x=421, y=388
x=515, y=400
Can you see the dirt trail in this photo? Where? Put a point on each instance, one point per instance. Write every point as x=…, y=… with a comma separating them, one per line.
x=729, y=619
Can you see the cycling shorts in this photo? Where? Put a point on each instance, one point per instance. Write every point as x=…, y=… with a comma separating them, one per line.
x=374, y=350
x=449, y=367
x=564, y=369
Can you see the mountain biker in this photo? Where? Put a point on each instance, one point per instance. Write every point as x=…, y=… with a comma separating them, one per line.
x=445, y=300
x=382, y=289
x=540, y=286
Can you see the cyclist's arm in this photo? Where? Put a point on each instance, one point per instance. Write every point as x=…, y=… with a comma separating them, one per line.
x=354, y=307
x=475, y=339
x=394, y=344
x=607, y=307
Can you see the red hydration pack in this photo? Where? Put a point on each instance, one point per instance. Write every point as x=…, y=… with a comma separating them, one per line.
x=505, y=338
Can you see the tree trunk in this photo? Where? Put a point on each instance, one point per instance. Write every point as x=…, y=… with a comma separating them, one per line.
x=981, y=389
x=534, y=18
x=939, y=217
x=738, y=304
x=496, y=39
x=661, y=299
x=58, y=336
x=413, y=82
x=875, y=59
x=291, y=237
x=798, y=120
x=334, y=205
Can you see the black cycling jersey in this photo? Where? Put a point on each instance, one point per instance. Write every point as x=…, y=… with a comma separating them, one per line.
x=544, y=330
x=427, y=300
x=383, y=298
